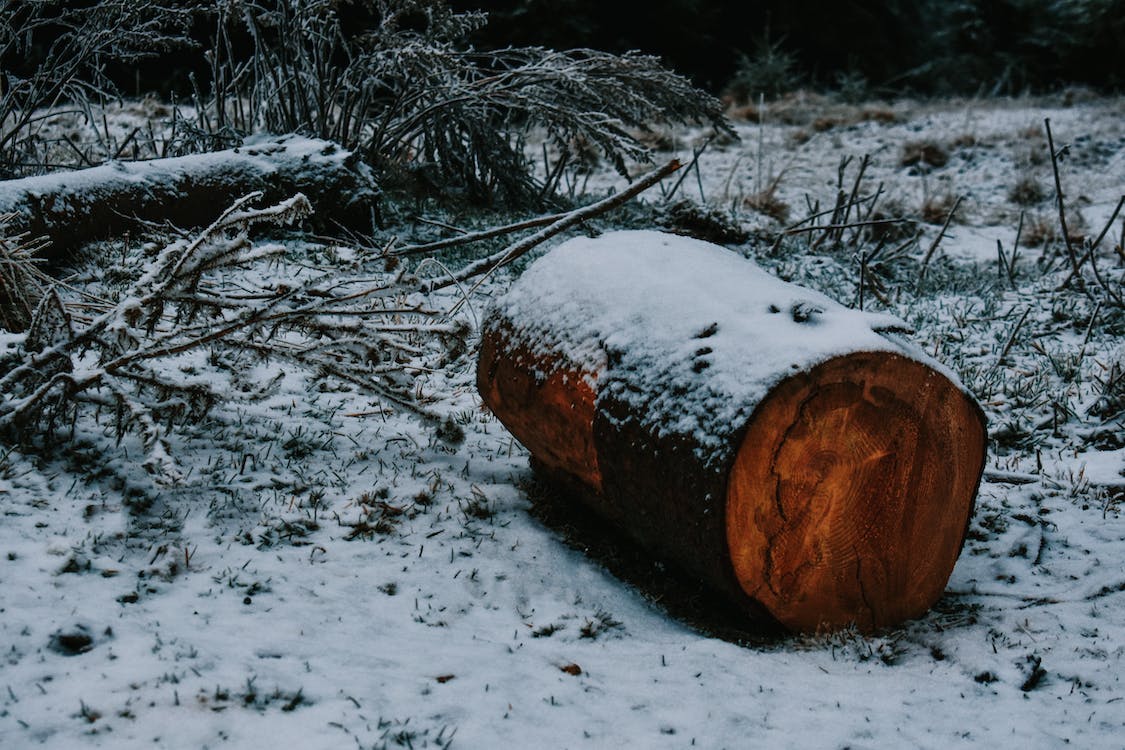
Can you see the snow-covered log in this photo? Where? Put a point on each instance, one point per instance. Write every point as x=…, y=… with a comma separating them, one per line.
x=73, y=208
x=803, y=458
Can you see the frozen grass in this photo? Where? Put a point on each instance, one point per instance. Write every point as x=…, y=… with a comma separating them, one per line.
x=332, y=573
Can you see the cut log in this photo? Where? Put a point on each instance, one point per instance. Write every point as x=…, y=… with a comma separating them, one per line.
x=74, y=208
x=803, y=458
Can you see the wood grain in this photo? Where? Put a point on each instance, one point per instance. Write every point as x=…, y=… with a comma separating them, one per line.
x=850, y=495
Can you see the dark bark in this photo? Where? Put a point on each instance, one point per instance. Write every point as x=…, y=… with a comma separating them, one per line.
x=71, y=209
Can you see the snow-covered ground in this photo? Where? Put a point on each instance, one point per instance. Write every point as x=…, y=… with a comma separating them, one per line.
x=332, y=574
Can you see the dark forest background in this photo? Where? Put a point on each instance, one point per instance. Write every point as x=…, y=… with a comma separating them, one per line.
x=863, y=47
x=749, y=48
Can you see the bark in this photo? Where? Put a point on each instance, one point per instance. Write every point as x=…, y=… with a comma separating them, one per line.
x=71, y=209
x=842, y=497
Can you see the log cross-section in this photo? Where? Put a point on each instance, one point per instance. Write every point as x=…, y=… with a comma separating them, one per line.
x=800, y=457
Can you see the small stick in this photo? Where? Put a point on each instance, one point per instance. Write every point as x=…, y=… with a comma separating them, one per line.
x=695, y=154
x=486, y=234
x=1086, y=338
x=1012, y=338
x=1090, y=252
x=937, y=240
x=440, y=224
x=1059, y=199
x=868, y=214
x=818, y=213
x=855, y=192
x=842, y=227
x=1109, y=224
x=1015, y=249
x=1009, y=477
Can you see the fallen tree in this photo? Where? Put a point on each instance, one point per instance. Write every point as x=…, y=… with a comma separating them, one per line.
x=71, y=209
x=801, y=457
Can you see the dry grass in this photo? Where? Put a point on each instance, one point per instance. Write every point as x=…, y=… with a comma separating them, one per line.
x=1026, y=191
x=936, y=207
x=807, y=109
x=928, y=153
x=766, y=202
x=22, y=285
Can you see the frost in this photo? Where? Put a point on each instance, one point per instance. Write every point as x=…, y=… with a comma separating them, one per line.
x=694, y=334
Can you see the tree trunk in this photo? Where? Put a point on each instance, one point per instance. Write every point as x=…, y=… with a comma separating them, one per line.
x=74, y=208
x=801, y=457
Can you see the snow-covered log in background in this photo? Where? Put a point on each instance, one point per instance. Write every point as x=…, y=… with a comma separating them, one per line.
x=799, y=456
x=71, y=209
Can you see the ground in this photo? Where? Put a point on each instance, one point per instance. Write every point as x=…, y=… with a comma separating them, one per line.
x=332, y=573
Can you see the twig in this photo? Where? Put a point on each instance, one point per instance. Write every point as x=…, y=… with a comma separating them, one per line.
x=1009, y=477
x=1101, y=236
x=695, y=154
x=1061, y=204
x=485, y=266
x=937, y=240
x=852, y=198
x=1086, y=338
x=1003, y=266
x=469, y=237
x=1012, y=337
x=440, y=224
x=1109, y=224
x=842, y=227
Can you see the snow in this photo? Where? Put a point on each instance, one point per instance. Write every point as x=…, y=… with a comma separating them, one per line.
x=245, y=608
x=694, y=334
x=257, y=156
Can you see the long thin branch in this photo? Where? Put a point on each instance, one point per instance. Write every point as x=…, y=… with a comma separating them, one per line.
x=485, y=266
x=1090, y=251
x=937, y=240
x=1074, y=269
x=486, y=234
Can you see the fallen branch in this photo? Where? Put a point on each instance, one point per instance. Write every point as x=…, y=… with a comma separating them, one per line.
x=470, y=237
x=71, y=209
x=371, y=332
x=485, y=266
x=1009, y=477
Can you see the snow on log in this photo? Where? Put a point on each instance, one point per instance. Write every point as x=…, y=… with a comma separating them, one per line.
x=73, y=208
x=797, y=455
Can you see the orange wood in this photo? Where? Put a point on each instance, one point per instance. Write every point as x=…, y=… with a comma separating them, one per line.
x=850, y=495
x=545, y=402
x=845, y=500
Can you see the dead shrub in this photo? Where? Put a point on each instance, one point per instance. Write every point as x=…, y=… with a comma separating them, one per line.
x=744, y=113
x=929, y=153
x=1026, y=191
x=1038, y=231
x=766, y=202
x=658, y=140
x=936, y=207
x=22, y=285
x=824, y=124
x=883, y=115
x=706, y=223
x=1042, y=229
x=891, y=232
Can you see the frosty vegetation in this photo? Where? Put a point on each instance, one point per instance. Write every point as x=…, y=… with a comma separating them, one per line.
x=244, y=471
x=408, y=96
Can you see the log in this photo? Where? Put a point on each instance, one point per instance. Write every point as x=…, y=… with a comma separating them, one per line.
x=74, y=208
x=804, y=459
